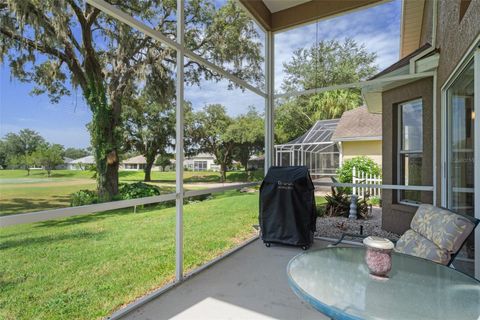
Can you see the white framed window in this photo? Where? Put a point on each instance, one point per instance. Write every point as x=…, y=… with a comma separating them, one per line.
x=200, y=165
x=461, y=146
x=410, y=151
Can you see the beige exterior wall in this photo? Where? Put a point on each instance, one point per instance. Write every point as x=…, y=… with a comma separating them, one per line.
x=396, y=216
x=454, y=37
x=371, y=149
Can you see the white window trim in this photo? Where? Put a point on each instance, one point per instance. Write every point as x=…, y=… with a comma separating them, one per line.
x=473, y=54
x=400, y=151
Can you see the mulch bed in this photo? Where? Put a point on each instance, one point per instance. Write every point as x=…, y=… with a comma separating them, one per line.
x=333, y=227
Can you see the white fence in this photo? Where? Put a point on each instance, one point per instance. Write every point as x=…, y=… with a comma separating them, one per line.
x=363, y=178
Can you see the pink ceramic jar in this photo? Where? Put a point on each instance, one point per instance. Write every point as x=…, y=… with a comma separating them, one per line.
x=378, y=255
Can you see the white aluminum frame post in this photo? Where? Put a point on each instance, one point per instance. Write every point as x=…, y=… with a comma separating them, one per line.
x=269, y=99
x=179, y=152
x=473, y=54
x=476, y=156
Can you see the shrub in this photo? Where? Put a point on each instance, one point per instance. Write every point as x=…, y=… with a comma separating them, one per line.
x=375, y=201
x=361, y=164
x=198, y=198
x=320, y=210
x=363, y=207
x=338, y=204
x=126, y=192
x=138, y=190
x=83, y=198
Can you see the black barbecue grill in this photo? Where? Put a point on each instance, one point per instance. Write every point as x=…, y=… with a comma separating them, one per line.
x=287, y=207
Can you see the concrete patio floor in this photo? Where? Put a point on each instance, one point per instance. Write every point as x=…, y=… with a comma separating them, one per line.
x=250, y=284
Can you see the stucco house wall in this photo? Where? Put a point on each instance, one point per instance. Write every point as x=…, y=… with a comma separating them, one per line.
x=454, y=37
x=371, y=149
x=396, y=216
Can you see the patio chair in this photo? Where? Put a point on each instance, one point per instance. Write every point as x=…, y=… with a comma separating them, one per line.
x=436, y=234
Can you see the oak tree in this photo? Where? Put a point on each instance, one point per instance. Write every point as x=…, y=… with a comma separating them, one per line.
x=66, y=45
x=326, y=63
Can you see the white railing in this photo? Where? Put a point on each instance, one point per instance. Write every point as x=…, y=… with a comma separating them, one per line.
x=361, y=177
x=374, y=186
x=39, y=216
x=46, y=215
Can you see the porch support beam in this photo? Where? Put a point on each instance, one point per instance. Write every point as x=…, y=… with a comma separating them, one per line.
x=302, y=13
x=179, y=156
x=269, y=99
x=315, y=10
x=359, y=84
x=476, y=156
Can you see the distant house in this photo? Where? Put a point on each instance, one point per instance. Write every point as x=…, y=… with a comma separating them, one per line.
x=256, y=162
x=201, y=162
x=140, y=163
x=65, y=163
x=134, y=163
x=359, y=133
x=81, y=164
x=62, y=166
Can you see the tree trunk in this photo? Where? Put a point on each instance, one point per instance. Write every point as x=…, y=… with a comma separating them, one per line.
x=148, y=167
x=105, y=139
x=245, y=164
x=107, y=176
x=223, y=172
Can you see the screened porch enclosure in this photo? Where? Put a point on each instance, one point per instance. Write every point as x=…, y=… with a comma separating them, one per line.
x=187, y=233
x=314, y=149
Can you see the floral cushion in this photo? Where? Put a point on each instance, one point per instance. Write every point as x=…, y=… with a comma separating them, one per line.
x=446, y=229
x=415, y=244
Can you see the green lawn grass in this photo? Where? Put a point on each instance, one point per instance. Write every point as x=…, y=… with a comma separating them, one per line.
x=20, y=193
x=86, y=267
x=169, y=176
x=42, y=174
x=20, y=198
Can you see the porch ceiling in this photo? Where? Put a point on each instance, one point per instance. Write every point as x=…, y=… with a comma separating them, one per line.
x=277, y=15
x=276, y=5
x=411, y=26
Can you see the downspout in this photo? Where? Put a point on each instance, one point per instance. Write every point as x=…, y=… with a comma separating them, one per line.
x=340, y=149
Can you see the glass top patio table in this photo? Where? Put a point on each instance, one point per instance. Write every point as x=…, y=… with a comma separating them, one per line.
x=336, y=282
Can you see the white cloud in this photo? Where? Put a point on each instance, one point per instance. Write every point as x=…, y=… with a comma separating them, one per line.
x=236, y=101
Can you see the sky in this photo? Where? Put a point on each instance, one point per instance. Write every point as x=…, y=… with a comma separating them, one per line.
x=378, y=28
